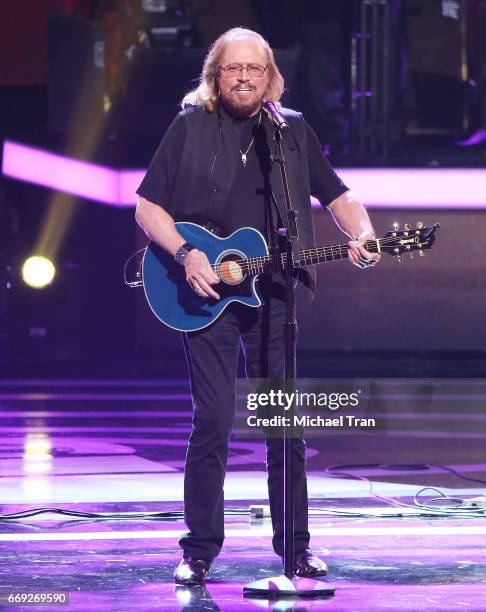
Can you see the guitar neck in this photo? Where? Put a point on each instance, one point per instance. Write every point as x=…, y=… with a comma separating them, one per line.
x=307, y=257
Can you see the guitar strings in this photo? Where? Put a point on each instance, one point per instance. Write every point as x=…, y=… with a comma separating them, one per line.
x=252, y=264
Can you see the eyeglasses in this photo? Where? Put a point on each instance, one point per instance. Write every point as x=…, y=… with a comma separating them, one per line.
x=232, y=70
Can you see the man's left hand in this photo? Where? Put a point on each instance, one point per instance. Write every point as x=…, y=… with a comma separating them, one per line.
x=359, y=256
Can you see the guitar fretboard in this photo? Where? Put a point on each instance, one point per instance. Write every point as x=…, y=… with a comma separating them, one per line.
x=307, y=257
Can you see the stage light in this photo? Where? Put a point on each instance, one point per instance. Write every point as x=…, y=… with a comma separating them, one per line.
x=38, y=272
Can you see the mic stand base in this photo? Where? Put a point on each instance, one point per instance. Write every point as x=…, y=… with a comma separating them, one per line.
x=278, y=587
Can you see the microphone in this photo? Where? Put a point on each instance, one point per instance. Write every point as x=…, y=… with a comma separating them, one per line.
x=275, y=115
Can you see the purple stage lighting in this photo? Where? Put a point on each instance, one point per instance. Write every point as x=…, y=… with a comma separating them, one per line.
x=54, y=171
x=453, y=188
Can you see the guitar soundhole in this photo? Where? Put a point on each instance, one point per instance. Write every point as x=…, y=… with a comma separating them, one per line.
x=230, y=270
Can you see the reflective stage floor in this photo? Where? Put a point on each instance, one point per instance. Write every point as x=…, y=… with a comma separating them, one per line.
x=119, y=446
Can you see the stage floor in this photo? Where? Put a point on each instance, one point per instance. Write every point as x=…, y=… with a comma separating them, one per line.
x=118, y=446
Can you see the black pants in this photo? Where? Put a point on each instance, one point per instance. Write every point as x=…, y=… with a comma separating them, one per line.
x=212, y=356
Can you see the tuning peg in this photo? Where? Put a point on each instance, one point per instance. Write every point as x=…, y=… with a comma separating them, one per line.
x=395, y=227
x=407, y=226
x=411, y=254
x=422, y=253
x=419, y=225
x=399, y=258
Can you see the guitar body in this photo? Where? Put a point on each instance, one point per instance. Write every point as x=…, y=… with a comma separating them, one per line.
x=238, y=260
x=168, y=293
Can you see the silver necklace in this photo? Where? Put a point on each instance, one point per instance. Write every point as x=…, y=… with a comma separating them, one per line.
x=244, y=158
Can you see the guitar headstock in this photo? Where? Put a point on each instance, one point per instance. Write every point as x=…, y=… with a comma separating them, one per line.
x=408, y=240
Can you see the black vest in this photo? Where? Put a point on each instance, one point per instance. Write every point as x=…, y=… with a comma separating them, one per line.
x=207, y=134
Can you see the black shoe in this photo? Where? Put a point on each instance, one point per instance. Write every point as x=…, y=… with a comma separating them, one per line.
x=307, y=565
x=191, y=571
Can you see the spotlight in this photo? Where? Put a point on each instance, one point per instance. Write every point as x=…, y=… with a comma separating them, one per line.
x=38, y=272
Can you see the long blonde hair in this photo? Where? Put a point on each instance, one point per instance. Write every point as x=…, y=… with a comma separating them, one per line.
x=206, y=93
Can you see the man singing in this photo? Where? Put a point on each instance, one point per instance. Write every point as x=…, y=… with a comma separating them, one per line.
x=215, y=167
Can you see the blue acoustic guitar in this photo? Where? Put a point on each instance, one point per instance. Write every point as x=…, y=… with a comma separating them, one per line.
x=238, y=260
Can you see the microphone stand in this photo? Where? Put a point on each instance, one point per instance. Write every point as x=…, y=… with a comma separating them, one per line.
x=286, y=584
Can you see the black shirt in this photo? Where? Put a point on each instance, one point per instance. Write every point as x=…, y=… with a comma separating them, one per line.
x=250, y=193
x=249, y=203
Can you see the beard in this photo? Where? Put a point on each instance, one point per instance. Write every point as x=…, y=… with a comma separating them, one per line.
x=241, y=108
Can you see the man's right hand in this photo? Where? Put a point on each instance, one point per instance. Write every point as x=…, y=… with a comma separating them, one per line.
x=200, y=275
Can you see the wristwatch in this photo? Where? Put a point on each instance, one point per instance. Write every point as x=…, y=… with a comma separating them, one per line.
x=365, y=233
x=182, y=252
